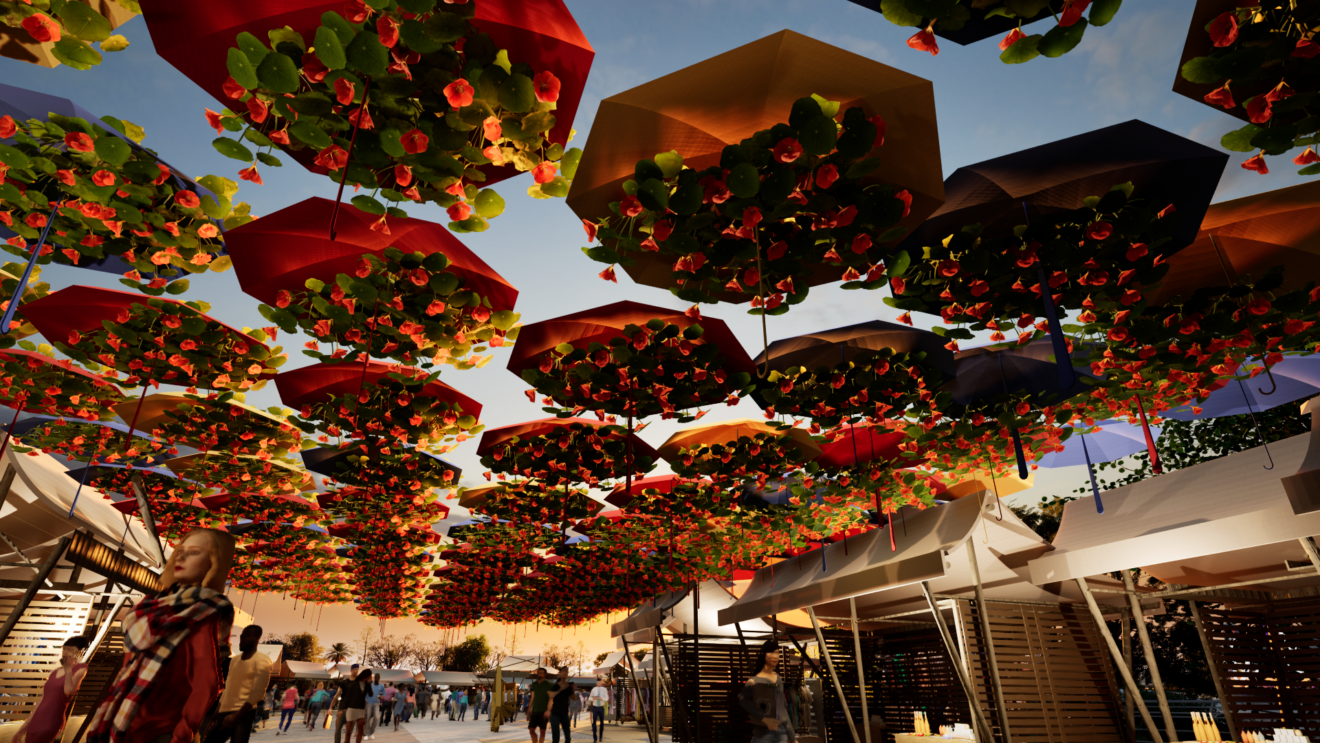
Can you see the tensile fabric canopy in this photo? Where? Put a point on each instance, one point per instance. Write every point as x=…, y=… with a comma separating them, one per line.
x=282, y=250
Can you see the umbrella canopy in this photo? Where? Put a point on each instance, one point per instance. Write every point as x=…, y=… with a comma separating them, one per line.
x=36, y=360
x=493, y=437
x=858, y=444
x=723, y=432
x=1200, y=44
x=284, y=249
x=985, y=373
x=318, y=383
x=196, y=38
x=623, y=495
x=1297, y=377
x=1115, y=439
x=17, y=43
x=1249, y=236
x=330, y=462
x=703, y=108
x=218, y=468
x=1164, y=169
x=828, y=347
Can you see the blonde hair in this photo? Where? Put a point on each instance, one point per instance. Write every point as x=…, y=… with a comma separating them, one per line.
x=221, y=546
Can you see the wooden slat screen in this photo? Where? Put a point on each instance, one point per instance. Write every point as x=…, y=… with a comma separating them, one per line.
x=32, y=651
x=1267, y=657
x=843, y=654
x=707, y=678
x=101, y=670
x=1056, y=672
x=916, y=674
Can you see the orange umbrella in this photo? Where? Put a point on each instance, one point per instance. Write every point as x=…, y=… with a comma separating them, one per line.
x=724, y=432
x=723, y=100
x=1249, y=236
x=17, y=43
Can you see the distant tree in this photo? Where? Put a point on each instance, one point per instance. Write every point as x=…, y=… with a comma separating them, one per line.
x=303, y=646
x=601, y=659
x=428, y=656
x=1044, y=517
x=639, y=654
x=366, y=638
x=470, y=655
x=553, y=656
x=338, y=653
x=390, y=651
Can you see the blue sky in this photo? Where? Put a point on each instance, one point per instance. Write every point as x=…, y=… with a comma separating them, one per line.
x=1119, y=72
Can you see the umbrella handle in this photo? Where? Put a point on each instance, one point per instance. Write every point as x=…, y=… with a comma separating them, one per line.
x=334, y=215
x=81, y=483
x=1274, y=384
x=27, y=272
x=1095, y=489
x=1067, y=376
x=1256, y=423
x=1150, y=440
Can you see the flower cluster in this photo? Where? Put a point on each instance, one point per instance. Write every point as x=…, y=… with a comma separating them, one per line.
x=68, y=27
x=571, y=453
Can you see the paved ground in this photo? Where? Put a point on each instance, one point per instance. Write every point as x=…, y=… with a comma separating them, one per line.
x=442, y=730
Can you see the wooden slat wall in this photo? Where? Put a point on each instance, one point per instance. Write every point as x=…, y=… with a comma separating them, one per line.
x=1056, y=672
x=843, y=654
x=101, y=670
x=707, y=678
x=914, y=673
x=1267, y=656
x=32, y=651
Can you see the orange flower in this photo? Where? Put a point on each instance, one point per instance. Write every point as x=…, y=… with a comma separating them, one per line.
x=42, y=28
x=924, y=41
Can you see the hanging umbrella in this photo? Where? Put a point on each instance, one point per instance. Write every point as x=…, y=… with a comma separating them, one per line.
x=1249, y=236
x=494, y=437
x=828, y=347
x=624, y=493
x=724, y=432
x=284, y=249
x=1200, y=44
x=863, y=443
x=196, y=37
x=230, y=473
x=16, y=43
x=335, y=463
x=36, y=423
x=727, y=98
x=319, y=383
x=977, y=482
x=1115, y=439
x=1295, y=378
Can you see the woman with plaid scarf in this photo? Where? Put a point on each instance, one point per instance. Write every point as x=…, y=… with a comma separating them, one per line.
x=171, y=671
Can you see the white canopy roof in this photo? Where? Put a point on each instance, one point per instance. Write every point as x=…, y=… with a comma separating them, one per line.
x=1224, y=521
x=304, y=670
x=451, y=678
x=676, y=611
x=608, y=665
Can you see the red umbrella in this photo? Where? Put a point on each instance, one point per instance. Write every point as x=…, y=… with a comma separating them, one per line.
x=548, y=426
x=624, y=493
x=284, y=249
x=196, y=37
x=862, y=443
x=318, y=383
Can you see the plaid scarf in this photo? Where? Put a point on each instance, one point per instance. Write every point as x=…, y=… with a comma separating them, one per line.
x=155, y=627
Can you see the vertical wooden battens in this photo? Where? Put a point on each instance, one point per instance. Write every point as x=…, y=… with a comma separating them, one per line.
x=42, y=574
x=829, y=664
x=1124, y=670
x=1151, y=664
x=983, y=610
x=978, y=716
x=1214, y=670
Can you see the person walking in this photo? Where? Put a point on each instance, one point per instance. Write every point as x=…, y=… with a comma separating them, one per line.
x=475, y=701
x=400, y=706
x=47, y=721
x=268, y=706
x=387, y=703
x=249, y=673
x=411, y=709
x=437, y=701
x=353, y=703
x=560, y=697
x=538, y=712
x=423, y=701
x=462, y=705
x=597, y=703
x=315, y=704
x=288, y=710
x=575, y=707
x=373, y=706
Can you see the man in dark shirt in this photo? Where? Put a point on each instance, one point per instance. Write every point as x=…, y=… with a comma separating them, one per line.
x=560, y=696
x=537, y=713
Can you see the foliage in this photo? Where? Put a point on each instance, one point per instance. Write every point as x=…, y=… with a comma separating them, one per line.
x=1044, y=517
x=337, y=653
x=110, y=198
x=841, y=394
x=221, y=422
x=303, y=646
x=428, y=656
x=82, y=442
x=468, y=655
x=390, y=651
x=571, y=453
x=69, y=26
x=415, y=105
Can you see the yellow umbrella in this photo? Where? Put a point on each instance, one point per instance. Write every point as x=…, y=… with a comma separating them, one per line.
x=725, y=432
x=1003, y=485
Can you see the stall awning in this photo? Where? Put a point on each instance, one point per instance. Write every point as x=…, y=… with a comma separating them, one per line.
x=303, y=670
x=678, y=612
x=611, y=661
x=1223, y=521
x=451, y=678
x=396, y=676
x=865, y=565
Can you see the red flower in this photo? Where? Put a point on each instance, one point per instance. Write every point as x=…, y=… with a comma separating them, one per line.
x=1072, y=12
x=880, y=127
x=630, y=206
x=1279, y=92
x=924, y=41
x=1013, y=37
x=279, y=137
x=414, y=142
x=233, y=89
x=1118, y=335
x=459, y=211
x=1307, y=157
x=1306, y=49
x=1221, y=97
x=1258, y=306
x=250, y=174
x=93, y=241
x=1258, y=109
x=402, y=174
x=313, y=69
x=103, y=178
x=335, y=157
x=257, y=109
x=787, y=150
x=897, y=285
x=388, y=28
x=1138, y=250
x=590, y=227
x=35, y=220
x=1099, y=231
x=1257, y=164
x=345, y=90
x=1224, y=29
x=42, y=27
x=213, y=120
x=608, y=275
x=861, y=243
x=187, y=200
x=664, y=228
x=491, y=128
x=826, y=176
x=546, y=86
x=7, y=127
x=459, y=93
x=79, y=141
x=906, y=198
x=544, y=172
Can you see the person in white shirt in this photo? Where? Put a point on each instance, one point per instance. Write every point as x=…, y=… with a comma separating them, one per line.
x=598, y=702
x=249, y=675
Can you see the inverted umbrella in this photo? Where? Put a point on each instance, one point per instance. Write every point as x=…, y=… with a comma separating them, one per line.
x=829, y=347
x=494, y=437
x=1294, y=378
x=282, y=250
x=722, y=432
x=1113, y=440
x=241, y=474
x=339, y=464
x=702, y=108
x=208, y=424
x=319, y=383
x=1249, y=236
x=867, y=442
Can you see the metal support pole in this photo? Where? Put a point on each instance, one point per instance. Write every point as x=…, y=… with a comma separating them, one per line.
x=1309, y=546
x=675, y=702
x=637, y=687
x=1214, y=672
x=696, y=658
x=1148, y=649
x=829, y=665
x=1123, y=668
x=861, y=674
x=978, y=715
x=104, y=628
x=1129, y=704
x=43, y=573
x=145, y=507
x=988, y=642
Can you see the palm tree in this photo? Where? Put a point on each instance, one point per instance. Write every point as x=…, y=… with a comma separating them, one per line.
x=338, y=653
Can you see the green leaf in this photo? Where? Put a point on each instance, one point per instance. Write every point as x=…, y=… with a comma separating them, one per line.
x=369, y=205
x=818, y=135
x=569, y=165
x=1201, y=70
x=827, y=107
x=241, y=69
x=1240, y=140
x=1312, y=169
x=216, y=207
x=1024, y=50
x=670, y=163
x=367, y=55
x=278, y=74
x=862, y=168
x=1103, y=11
x=897, y=13
x=75, y=54
x=337, y=23
x=230, y=148
x=279, y=36
x=446, y=28
x=488, y=204
x=270, y=160
x=744, y=180
x=12, y=157
x=177, y=287
x=417, y=7
x=311, y=134
x=1026, y=9
x=517, y=93
x=558, y=188
x=116, y=43
x=654, y=195
x=502, y=61
x=541, y=121
x=252, y=47
x=328, y=48
x=112, y=149
x=899, y=263
x=412, y=34
x=81, y=21
x=217, y=185
x=1059, y=40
